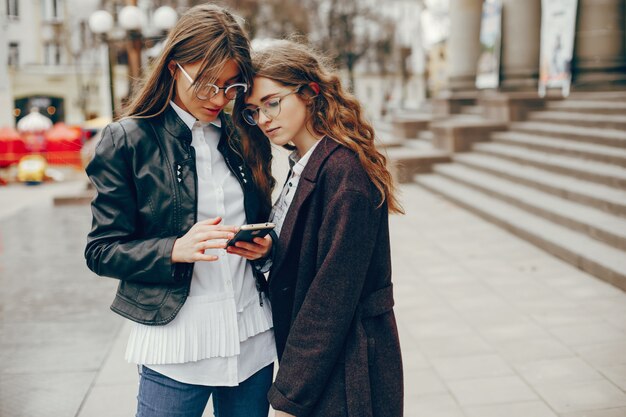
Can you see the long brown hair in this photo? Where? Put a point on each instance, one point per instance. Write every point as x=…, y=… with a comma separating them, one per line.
x=333, y=112
x=208, y=34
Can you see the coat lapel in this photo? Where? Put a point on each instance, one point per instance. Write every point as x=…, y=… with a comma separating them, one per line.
x=306, y=185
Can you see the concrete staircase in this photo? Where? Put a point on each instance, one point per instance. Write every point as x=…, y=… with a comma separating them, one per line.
x=557, y=180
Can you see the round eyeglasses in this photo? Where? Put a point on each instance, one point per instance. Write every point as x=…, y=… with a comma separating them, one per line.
x=208, y=91
x=270, y=108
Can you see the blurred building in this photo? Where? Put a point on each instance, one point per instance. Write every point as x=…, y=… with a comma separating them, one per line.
x=548, y=168
x=392, y=73
x=55, y=62
x=45, y=45
x=599, y=60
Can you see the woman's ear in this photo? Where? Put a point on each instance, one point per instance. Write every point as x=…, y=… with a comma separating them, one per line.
x=171, y=66
x=310, y=90
x=315, y=87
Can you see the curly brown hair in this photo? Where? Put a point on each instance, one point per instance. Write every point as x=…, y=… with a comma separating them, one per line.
x=333, y=112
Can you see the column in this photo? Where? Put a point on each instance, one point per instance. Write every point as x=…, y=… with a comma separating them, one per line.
x=521, y=29
x=600, y=44
x=464, y=43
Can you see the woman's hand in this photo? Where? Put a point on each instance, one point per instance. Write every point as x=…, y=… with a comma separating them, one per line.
x=207, y=234
x=259, y=248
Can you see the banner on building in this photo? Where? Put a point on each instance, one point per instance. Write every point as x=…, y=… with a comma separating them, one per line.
x=558, y=29
x=488, y=71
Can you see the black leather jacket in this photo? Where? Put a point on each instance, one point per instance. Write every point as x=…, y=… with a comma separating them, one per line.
x=145, y=176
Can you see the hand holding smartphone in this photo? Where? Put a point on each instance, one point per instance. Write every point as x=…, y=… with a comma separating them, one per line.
x=248, y=232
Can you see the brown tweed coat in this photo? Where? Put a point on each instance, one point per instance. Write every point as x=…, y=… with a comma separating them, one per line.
x=331, y=294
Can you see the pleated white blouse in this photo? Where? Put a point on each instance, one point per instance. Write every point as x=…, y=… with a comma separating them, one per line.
x=222, y=335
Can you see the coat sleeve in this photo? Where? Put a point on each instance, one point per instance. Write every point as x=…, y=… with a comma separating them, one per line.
x=318, y=334
x=113, y=247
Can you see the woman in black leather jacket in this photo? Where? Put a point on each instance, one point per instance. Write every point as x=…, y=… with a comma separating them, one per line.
x=174, y=180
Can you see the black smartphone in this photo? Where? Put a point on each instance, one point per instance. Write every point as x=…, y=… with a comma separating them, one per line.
x=247, y=232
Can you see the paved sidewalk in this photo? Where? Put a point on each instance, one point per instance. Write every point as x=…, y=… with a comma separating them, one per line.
x=494, y=327
x=490, y=326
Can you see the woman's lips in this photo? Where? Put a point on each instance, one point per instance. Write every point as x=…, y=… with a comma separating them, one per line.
x=272, y=131
x=212, y=111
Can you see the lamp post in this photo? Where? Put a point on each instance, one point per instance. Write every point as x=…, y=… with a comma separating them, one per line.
x=101, y=23
x=130, y=19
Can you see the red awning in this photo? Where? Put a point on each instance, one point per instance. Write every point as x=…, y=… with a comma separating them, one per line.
x=63, y=144
x=12, y=146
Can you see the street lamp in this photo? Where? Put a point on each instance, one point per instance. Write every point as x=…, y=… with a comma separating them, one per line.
x=101, y=23
x=132, y=20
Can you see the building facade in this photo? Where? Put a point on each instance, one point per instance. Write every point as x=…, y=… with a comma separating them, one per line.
x=599, y=60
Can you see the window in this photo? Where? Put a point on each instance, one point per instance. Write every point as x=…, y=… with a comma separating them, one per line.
x=14, y=54
x=52, y=10
x=52, y=53
x=13, y=8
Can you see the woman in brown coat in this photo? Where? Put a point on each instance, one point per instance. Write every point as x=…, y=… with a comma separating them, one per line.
x=330, y=279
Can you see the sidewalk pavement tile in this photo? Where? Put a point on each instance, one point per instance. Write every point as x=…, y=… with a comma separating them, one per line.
x=439, y=405
x=454, y=346
x=520, y=351
x=557, y=371
x=584, y=396
x=588, y=334
x=471, y=367
x=422, y=382
x=613, y=412
x=525, y=409
x=608, y=354
x=616, y=374
x=43, y=394
x=483, y=391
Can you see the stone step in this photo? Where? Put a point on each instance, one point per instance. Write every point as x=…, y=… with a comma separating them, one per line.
x=599, y=95
x=608, y=137
x=588, y=106
x=473, y=110
x=591, y=151
x=593, y=222
x=385, y=138
x=404, y=162
x=421, y=144
x=607, y=174
x=602, y=197
x=426, y=135
x=610, y=121
x=596, y=258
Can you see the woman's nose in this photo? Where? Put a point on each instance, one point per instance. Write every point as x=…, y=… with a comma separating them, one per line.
x=220, y=99
x=263, y=119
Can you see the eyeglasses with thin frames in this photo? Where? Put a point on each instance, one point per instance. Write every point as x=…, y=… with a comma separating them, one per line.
x=208, y=91
x=270, y=108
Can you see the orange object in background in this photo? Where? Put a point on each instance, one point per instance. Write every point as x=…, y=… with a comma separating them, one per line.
x=12, y=147
x=63, y=145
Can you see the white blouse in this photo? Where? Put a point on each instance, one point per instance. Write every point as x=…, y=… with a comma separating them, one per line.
x=221, y=335
x=280, y=208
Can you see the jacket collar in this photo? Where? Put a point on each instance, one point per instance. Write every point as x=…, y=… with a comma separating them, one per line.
x=175, y=125
x=307, y=183
x=323, y=149
x=179, y=129
x=190, y=120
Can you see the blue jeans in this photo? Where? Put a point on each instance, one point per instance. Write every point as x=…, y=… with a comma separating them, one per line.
x=160, y=396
